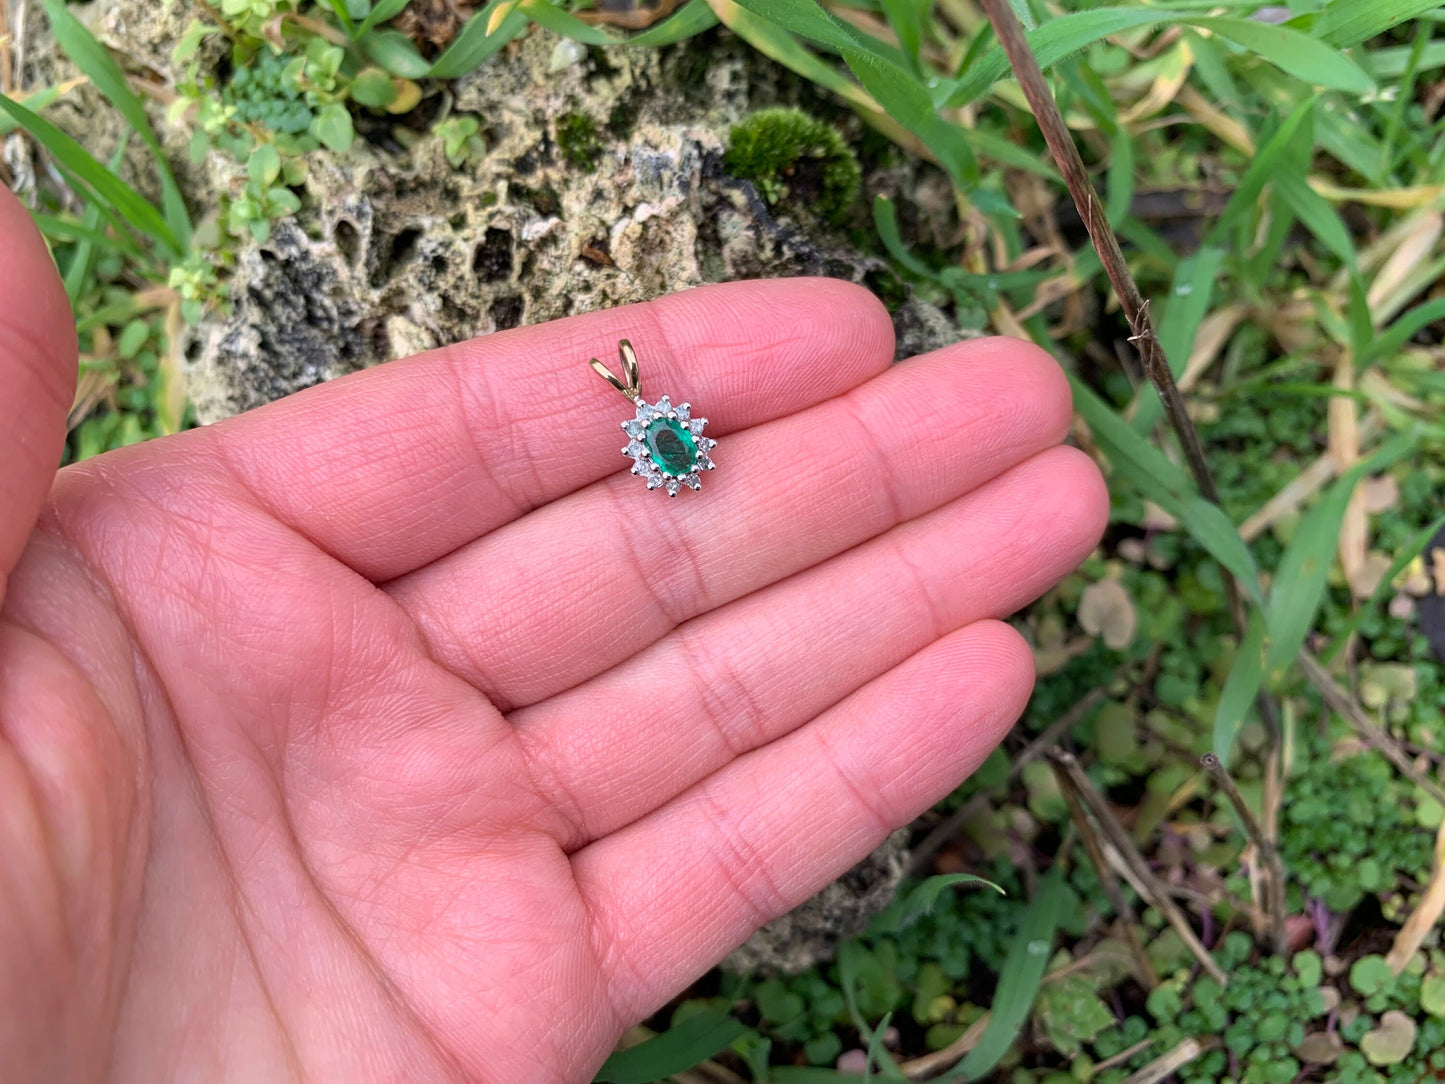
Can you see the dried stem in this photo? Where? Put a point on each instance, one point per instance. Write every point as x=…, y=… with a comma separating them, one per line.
x=1274, y=877
x=1143, y=877
x=1110, y=883
x=1342, y=703
x=1136, y=309
x=947, y=828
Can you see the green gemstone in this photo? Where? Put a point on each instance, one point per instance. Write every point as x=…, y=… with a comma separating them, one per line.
x=671, y=446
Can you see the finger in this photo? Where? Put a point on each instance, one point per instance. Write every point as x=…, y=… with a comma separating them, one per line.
x=391, y=468
x=674, y=892
x=575, y=588
x=37, y=376
x=747, y=674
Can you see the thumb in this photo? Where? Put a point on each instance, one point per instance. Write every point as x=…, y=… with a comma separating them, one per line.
x=37, y=376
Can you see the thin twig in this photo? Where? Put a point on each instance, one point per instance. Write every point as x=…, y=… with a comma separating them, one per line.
x=1091, y=210
x=1143, y=877
x=1136, y=309
x=1342, y=703
x=1274, y=879
x=1107, y=880
x=1057, y=729
x=947, y=828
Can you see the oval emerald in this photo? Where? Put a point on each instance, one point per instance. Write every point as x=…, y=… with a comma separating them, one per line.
x=671, y=446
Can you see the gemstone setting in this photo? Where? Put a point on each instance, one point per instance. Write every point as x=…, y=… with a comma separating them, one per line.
x=666, y=445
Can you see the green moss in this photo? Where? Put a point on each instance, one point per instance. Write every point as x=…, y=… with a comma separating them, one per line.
x=794, y=158
x=578, y=141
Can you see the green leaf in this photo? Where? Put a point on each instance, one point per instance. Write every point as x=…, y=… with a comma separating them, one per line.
x=94, y=179
x=1240, y=687
x=374, y=88
x=673, y=1051
x=1348, y=22
x=921, y=900
x=807, y=18
x=264, y=165
x=397, y=53
x=904, y=98
x=474, y=45
x=1411, y=550
x=92, y=58
x=688, y=21
x=1020, y=977
x=1166, y=485
x=1291, y=51
x=332, y=126
x=383, y=12
x=564, y=23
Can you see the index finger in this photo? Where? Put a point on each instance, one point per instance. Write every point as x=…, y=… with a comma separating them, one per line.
x=394, y=467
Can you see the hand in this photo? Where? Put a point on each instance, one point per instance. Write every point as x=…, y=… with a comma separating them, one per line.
x=394, y=732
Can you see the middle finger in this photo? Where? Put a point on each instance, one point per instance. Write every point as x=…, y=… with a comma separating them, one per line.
x=575, y=587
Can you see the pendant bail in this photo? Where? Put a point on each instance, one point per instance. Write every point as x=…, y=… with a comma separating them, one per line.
x=632, y=386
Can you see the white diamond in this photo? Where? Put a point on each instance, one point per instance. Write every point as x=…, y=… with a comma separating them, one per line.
x=644, y=412
x=634, y=448
x=654, y=480
x=639, y=467
x=696, y=425
x=706, y=445
x=673, y=485
x=635, y=428
x=692, y=481
x=704, y=463
x=663, y=406
x=682, y=410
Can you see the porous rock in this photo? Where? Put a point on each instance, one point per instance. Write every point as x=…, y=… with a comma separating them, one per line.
x=809, y=933
x=415, y=252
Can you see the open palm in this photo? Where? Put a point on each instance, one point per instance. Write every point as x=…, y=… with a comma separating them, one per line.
x=395, y=732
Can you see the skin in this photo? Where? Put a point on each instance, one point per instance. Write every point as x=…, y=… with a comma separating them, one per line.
x=394, y=732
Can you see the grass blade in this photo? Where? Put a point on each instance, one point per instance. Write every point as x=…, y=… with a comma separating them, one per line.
x=778, y=44
x=1398, y=335
x=1240, y=687
x=1019, y=981
x=1290, y=51
x=1300, y=579
x=1166, y=485
x=922, y=899
x=675, y=1050
x=807, y=18
x=94, y=179
x=692, y=19
x=1264, y=167
x=904, y=98
x=474, y=45
x=1348, y=22
x=565, y=24
x=94, y=59
x=906, y=19
x=383, y=12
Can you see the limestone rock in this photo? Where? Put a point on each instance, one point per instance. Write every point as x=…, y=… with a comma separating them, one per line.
x=809, y=933
x=547, y=223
